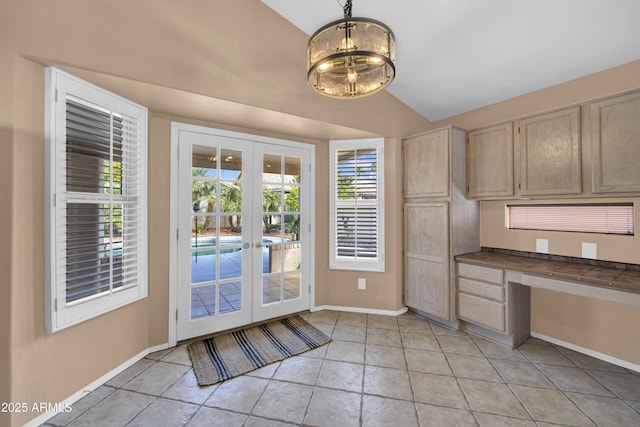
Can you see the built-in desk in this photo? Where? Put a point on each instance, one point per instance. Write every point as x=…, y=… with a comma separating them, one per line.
x=493, y=288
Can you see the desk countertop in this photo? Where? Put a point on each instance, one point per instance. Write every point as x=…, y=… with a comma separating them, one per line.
x=624, y=279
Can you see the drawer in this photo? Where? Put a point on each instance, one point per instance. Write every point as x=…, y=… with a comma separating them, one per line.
x=481, y=311
x=481, y=289
x=477, y=272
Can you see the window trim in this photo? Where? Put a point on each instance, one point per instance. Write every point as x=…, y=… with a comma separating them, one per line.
x=357, y=264
x=59, y=313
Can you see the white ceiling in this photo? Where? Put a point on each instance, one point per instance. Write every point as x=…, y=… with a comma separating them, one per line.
x=457, y=55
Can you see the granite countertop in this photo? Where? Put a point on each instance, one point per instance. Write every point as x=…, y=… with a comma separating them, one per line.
x=624, y=277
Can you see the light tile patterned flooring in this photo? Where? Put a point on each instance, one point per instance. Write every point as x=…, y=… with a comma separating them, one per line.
x=377, y=371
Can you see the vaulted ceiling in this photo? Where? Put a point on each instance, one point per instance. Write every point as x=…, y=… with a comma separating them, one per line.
x=455, y=56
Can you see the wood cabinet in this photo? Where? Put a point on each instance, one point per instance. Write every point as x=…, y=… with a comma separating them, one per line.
x=615, y=144
x=481, y=296
x=492, y=307
x=426, y=160
x=543, y=156
x=550, y=153
x=427, y=286
x=490, y=162
x=439, y=222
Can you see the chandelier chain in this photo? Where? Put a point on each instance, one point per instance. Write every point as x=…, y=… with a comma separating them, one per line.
x=347, y=9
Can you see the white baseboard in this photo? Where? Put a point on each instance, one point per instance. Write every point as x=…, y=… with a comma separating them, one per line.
x=360, y=310
x=588, y=352
x=42, y=418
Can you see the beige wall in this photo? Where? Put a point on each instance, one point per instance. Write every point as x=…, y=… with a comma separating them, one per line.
x=163, y=56
x=6, y=192
x=605, y=327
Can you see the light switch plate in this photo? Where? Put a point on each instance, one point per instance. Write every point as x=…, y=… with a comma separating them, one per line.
x=542, y=246
x=362, y=283
x=589, y=250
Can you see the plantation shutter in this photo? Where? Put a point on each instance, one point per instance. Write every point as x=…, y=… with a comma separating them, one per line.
x=615, y=218
x=102, y=200
x=357, y=206
x=98, y=226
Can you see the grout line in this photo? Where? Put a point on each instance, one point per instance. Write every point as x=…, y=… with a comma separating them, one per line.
x=316, y=387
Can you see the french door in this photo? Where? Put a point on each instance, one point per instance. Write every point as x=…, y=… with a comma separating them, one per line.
x=243, y=240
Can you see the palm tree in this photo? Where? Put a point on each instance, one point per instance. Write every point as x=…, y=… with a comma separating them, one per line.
x=231, y=202
x=204, y=193
x=271, y=201
x=292, y=206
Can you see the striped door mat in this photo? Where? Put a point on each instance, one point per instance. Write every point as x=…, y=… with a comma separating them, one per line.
x=235, y=353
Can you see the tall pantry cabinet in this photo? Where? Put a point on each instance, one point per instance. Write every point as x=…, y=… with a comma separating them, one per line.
x=439, y=222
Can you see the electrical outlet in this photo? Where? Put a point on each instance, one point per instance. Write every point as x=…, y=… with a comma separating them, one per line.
x=589, y=250
x=542, y=246
x=362, y=283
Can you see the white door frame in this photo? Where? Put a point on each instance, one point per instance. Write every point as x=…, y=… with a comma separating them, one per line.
x=176, y=128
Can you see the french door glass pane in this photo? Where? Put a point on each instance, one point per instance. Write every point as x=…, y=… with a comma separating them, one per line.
x=203, y=265
x=292, y=285
x=291, y=227
x=271, y=288
x=272, y=198
x=230, y=164
x=272, y=168
x=230, y=197
x=292, y=169
x=204, y=195
x=203, y=302
x=230, y=261
x=204, y=160
x=230, y=297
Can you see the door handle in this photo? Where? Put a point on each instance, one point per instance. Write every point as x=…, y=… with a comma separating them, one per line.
x=246, y=245
x=258, y=244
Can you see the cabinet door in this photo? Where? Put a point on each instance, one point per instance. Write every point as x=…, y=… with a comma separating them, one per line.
x=550, y=155
x=427, y=281
x=615, y=150
x=426, y=164
x=490, y=162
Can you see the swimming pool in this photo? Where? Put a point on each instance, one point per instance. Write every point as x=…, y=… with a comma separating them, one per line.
x=228, y=244
x=210, y=243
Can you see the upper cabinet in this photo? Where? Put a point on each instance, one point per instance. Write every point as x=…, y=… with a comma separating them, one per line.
x=543, y=156
x=426, y=164
x=490, y=162
x=615, y=144
x=550, y=153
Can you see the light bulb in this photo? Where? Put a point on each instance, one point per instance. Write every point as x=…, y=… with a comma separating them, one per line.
x=352, y=76
x=324, y=66
x=346, y=44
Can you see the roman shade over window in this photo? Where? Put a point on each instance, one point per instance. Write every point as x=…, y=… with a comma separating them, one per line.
x=96, y=200
x=357, y=205
x=613, y=218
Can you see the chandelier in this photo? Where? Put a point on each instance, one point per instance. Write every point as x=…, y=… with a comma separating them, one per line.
x=351, y=57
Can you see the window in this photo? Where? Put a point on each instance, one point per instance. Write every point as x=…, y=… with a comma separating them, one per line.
x=613, y=218
x=96, y=200
x=357, y=205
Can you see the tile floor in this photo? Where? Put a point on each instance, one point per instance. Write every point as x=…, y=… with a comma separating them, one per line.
x=377, y=371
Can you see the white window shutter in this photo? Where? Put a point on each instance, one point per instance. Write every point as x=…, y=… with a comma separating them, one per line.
x=97, y=237
x=357, y=205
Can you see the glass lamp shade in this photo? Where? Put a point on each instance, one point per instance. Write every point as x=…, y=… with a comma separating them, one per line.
x=350, y=58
